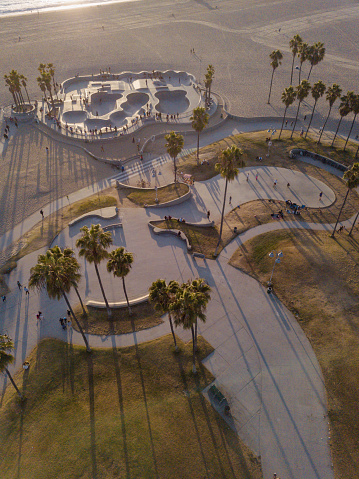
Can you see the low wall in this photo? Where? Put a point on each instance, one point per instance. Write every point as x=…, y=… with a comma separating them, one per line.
x=176, y=201
x=298, y=152
x=119, y=305
x=93, y=215
x=173, y=232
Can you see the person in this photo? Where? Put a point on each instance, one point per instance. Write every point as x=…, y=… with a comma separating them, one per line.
x=3, y=298
x=257, y=177
x=230, y=200
x=208, y=214
x=320, y=195
x=247, y=176
x=26, y=290
x=179, y=234
x=19, y=285
x=275, y=183
x=26, y=365
x=288, y=185
x=42, y=214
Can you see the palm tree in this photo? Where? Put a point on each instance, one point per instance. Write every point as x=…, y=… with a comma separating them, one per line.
x=199, y=120
x=162, y=296
x=227, y=167
x=209, y=80
x=93, y=244
x=303, y=90
x=42, y=85
x=355, y=220
x=69, y=253
x=202, y=290
x=58, y=273
x=351, y=177
x=120, y=263
x=6, y=358
x=14, y=84
x=174, y=147
x=294, y=46
x=354, y=107
x=316, y=54
x=302, y=55
x=318, y=91
x=344, y=110
x=24, y=84
x=332, y=94
x=276, y=57
x=288, y=98
x=51, y=69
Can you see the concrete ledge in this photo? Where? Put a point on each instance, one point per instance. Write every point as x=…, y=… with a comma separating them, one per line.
x=183, y=237
x=198, y=255
x=176, y=201
x=94, y=214
x=111, y=227
x=122, y=304
x=298, y=152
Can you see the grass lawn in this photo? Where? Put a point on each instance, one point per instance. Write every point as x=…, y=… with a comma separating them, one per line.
x=97, y=322
x=147, y=196
x=318, y=280
x=134, y=412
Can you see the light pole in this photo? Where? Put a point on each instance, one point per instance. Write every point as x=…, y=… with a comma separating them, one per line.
x=277, y=257
x=272, y=131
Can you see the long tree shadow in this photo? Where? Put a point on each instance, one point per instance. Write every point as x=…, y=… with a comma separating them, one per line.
x=145, y=399
x=187, y=394
x=116, y=362
x=89, y=358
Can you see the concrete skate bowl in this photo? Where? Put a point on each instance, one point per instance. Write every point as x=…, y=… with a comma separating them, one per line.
x=103, y=102
x=98, y=123
x=118, y=118
x=134, y=102
x=73, y=117
x=172, y=102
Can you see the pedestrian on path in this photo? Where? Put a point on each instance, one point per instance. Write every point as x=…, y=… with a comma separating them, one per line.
x=102, y=148
x=230, y=200
x=320, y=196
x=247, y=176
x=257, y=177
x=47, y=151
x=4, y=298
x=42, y=214
x=26, y=290
x=208, y=214
x=19, y=285
x=275, y=183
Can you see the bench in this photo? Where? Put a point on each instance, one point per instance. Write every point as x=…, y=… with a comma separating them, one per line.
x=198, y=255
x=216, y=394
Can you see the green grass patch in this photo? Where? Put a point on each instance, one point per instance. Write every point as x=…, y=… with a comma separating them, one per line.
x=318, y=280
x=147, y=196
x=96, y=321
x=132, y=412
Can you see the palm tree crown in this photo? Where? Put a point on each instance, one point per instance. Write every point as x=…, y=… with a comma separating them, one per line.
x=354, y=107
x=315, y=55
x=6, y=358
x=199, y=120
x=288, y=98
x=120, y=263
x=294, y=44
x=351, y=177
x=344, y=110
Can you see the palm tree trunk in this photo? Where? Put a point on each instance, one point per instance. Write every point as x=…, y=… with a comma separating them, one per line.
x=311, y=118
x=340, y=212
x=13, y=383
x=281, y=129
x=270, y=88
x=320, y=136
x=124, y=290
x=194, y=370
x=172, y=330
x=291, y=136
x=300, y=72
x=109, y=312
x=350, y=132
x=28, y=98
x=355, y=220
x=195, y=334
x=336, y=131
x=222, y=217
x=291, y=73
x=310, y=71
x=88, y=349
x=82, y=304
x=175, y=168
x=197, y=147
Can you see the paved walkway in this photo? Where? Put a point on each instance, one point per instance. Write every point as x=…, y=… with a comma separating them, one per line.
x=277, y=394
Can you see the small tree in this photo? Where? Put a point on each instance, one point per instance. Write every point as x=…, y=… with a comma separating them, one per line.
x=351, y=178
x=332, y=94
x=276, y=57
x=120, y=263
x=344, y=110
x=294, y=44
x=302, y=92
x=6, y=358
x=93, y=245
x=199, y=120
x=162, y=296
x=318, y=91
x=288, y=98
x=227, y=168
x=174, y=147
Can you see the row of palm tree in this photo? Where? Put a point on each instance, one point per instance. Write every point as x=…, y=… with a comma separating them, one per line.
x=15, y=81
x=349, y=103
x=312, y=53
x=184, y=303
